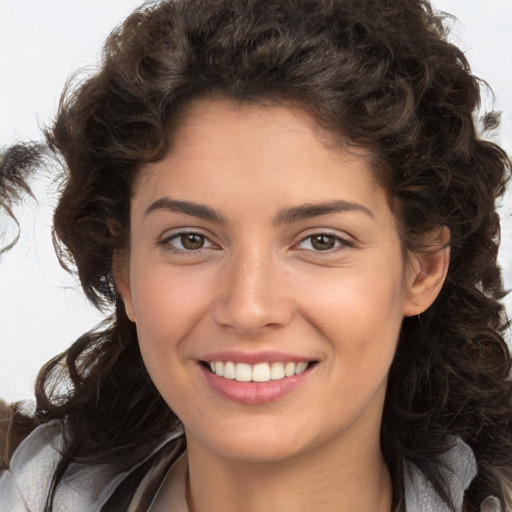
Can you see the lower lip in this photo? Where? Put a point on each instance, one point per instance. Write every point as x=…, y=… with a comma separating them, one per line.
x=254, y=393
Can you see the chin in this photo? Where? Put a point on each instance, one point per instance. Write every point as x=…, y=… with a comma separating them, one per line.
x=263, y=440
x=251, y=441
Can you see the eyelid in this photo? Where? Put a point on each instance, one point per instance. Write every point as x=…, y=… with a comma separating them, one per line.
x=166, y=239
x=343, y=241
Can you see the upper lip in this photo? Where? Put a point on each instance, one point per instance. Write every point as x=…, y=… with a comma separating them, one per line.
x=239, y=356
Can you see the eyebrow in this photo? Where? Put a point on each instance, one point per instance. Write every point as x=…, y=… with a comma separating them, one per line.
x=187, y=207
x=308, y=211
x=285, y=216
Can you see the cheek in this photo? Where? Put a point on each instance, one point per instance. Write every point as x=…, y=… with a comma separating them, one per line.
x=167, y=310
x=359, y=311
x=167, y=306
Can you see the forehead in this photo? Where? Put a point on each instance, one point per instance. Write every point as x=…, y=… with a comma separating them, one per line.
x=250, y=163
x=215, y=134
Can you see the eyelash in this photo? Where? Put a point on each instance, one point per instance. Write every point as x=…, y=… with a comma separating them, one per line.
x=339, y=242
x=167, y=242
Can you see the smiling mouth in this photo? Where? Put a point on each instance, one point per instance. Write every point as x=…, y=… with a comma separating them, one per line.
x=260, y=372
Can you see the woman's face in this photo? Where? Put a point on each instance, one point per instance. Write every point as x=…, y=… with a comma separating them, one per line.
x=258, y=248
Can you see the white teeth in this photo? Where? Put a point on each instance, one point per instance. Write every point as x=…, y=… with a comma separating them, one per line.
x=261, y=372
x=229, y=370
x=277, y=371
x=300, y=368
x=243, y=372
x=289, y=369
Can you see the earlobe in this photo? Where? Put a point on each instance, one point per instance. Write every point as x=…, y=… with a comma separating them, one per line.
x=121, y=271
x=427, y=273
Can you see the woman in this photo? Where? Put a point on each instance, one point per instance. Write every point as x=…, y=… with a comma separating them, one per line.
x=288, y=206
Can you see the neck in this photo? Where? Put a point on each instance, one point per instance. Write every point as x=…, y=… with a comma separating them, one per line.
x=351, y=480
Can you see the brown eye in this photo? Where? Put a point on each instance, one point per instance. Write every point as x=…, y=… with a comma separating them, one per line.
x=192, y=241
x=323, y=242
x=186, y=242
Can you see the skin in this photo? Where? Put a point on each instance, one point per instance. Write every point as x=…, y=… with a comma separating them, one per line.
x=259, y=283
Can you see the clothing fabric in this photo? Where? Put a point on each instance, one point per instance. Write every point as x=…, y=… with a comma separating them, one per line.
x=24, y=487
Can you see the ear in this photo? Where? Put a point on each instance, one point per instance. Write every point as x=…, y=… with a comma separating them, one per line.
x=121, y=271
x=426, y=272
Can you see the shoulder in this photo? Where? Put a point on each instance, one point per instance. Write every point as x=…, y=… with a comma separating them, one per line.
x=16, y=423
x=458, y=467
x=4, y=429
x=25, y=486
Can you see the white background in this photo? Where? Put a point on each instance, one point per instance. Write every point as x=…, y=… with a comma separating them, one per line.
x=42, y=42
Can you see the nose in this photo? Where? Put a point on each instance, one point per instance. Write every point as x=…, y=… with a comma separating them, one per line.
x=252, y=296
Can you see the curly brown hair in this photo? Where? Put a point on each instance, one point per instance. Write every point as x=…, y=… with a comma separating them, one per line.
x=380, y=74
